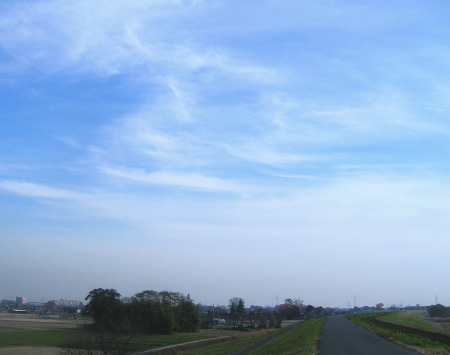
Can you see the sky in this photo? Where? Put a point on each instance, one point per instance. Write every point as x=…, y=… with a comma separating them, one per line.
x=225, y=148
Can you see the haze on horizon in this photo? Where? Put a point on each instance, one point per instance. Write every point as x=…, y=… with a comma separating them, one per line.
x=226, y=149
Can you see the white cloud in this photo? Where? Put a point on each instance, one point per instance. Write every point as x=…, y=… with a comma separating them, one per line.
x=112, y=37
x=223, y=92
x=268, y=154
x=39, y=191
x=186, y=180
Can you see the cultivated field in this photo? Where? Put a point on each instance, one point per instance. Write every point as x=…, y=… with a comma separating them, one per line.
x=23, y=334
x=13, y=326
x=27, y=322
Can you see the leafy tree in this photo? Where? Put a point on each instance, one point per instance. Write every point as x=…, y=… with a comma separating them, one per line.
x=50, y=305
x=439, y=311
x=237, y=310
x=258, y=317
x=308, y=310
x=187, y=316
x=291, y=309
x=113, y=329
x=241, y=311
x=106, y=307
x=164, y=312
x=152, y=312
x=319, y=311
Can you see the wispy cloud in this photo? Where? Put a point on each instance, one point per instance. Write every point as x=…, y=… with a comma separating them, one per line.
x=297, y=129
x=186, y=180
x=39, y=191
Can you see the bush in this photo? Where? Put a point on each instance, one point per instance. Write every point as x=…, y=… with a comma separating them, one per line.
x=439, y=311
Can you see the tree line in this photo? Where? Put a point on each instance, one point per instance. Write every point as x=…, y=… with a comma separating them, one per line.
x=118, y=320
x=147, y=312
x=153, y=312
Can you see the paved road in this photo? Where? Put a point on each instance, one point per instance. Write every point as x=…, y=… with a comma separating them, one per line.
x=340, y=336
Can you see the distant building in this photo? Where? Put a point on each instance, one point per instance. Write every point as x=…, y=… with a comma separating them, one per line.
x=68, y=303
x=20, y=300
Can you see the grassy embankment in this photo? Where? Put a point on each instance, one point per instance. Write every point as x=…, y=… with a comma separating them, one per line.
x=407, y=319
x=414, y=319
x=227, y=347
x=301, y=340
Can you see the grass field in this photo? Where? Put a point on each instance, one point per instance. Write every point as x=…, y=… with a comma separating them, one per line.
x=418, y=343
x=413, y=319
x=446, y=326
x=36, y=338
x=50, y=338
x=26, y=331
x=302, y=340
x=226, y=347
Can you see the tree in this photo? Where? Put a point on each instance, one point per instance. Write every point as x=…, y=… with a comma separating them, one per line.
x=152, y=312
x=291, y=309
x=50, y=305
x=439, y=311
x=309, y=309
x=237, y=310
x=187, y=315
x=258, y=317
x=112, y=331
x=106, y=308
x=164, y=312
x=241, y=311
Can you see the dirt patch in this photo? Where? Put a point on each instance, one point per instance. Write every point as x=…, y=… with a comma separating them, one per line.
x=18, y=322
x=30, y=350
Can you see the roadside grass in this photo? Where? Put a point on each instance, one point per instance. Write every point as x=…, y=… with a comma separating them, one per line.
x=412, y=319
x=408, y=340
x=226, y=347
x=302, y=340
x=36, y=338
x=156, y=341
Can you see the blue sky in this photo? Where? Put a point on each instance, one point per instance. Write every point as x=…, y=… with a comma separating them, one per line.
x=226, y=148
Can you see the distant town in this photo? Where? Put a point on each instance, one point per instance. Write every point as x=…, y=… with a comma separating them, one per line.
x=62, y=308
x=107, y=323
x=66, y=308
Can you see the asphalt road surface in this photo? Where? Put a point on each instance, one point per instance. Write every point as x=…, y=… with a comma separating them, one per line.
x=340, y=336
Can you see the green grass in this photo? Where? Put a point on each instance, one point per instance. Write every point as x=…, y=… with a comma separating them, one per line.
x=302, y=340
x=412, y=319
x=170, y=339
x=226, y=347
x=36, y=338
x=408, y=340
